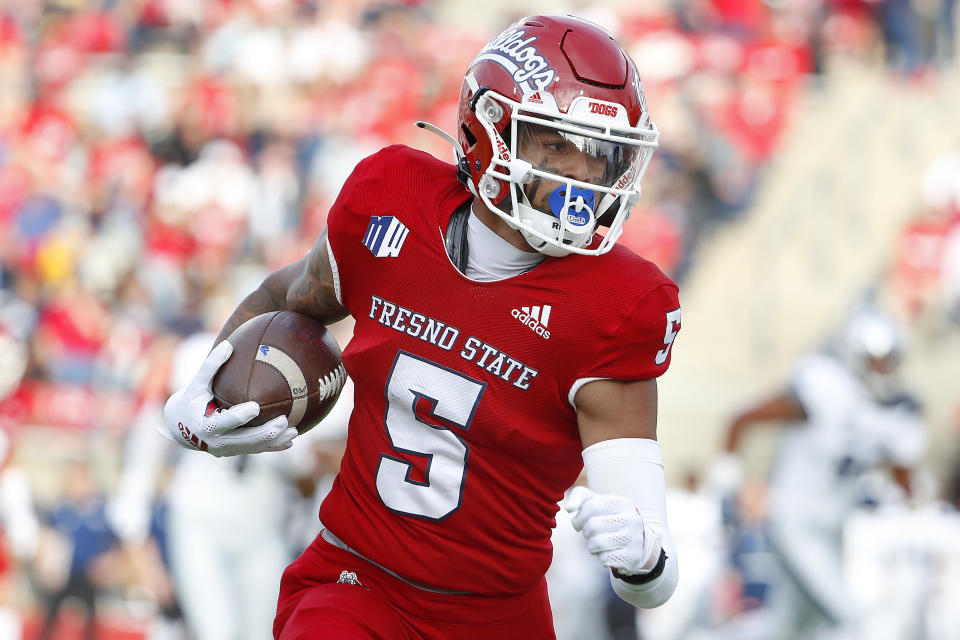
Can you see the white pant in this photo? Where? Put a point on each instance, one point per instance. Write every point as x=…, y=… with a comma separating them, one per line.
x=811, y=592
x=227, y=576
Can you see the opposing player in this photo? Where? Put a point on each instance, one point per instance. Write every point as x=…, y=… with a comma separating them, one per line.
x=848, y=416
x=501, y=344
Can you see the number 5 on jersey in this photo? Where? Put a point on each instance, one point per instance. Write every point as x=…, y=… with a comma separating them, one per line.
x=426, y=405
x=673, y=327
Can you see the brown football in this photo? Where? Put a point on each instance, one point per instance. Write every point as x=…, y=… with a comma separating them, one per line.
x=287, y=363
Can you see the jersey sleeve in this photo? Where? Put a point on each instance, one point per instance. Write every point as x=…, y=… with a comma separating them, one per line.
x=641, y=346
x=345, y=226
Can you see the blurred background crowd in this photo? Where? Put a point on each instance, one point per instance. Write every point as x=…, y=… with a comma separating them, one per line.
x=159, y=157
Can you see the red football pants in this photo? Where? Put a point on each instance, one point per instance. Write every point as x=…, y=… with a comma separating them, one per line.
x=313, y=604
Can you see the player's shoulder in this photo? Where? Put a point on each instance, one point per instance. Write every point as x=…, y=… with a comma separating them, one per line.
x=403, y=169
x=821, y=380
x=634, y=278
x=821, y=364
x=824, y=368
x=634, y=328
x=408, y=184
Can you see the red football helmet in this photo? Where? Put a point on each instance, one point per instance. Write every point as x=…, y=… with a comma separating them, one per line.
x=554, y=134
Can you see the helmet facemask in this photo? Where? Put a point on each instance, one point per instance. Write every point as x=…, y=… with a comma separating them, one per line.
x=565, y=173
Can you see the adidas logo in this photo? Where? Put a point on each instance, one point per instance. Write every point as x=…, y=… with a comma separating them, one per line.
x=535, y=98
x=537, y=318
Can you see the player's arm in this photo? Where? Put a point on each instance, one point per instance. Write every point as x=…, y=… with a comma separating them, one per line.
x=903, y=477
x=306, y=286
x=906, y=444
x=192, y=421
x=779, y=408
x=726, y=472
x=623, y=514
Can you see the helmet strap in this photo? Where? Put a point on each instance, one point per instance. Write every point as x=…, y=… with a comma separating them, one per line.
x=455, y=239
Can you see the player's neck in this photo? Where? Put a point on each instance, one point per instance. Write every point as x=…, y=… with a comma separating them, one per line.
x=499, y=226
x=491, y=257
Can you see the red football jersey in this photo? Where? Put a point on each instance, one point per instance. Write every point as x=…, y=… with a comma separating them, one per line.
x=463, y=437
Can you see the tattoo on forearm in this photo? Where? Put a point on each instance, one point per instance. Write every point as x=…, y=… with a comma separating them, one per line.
x=314, y=294
x=305, y=286
x=313, y=297
x=258, y=302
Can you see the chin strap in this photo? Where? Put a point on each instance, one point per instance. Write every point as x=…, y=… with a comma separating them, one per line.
x=456, y=237
x=463, y=166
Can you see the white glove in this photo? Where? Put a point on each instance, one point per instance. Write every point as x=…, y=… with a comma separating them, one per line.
x=614, y=531
x=192, y=421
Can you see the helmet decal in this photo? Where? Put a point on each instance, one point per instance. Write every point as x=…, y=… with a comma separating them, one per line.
x=641, y=94
x=518, y=56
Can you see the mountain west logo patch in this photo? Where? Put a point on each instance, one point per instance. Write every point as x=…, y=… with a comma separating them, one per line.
x=385, y=236
x=536, y=317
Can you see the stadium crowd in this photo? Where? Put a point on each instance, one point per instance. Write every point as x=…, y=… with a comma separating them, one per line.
x=158, y=157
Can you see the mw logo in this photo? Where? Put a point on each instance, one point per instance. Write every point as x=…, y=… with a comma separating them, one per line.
x=385, y=236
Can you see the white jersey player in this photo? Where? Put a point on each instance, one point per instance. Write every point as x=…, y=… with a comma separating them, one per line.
x=218, y=511
x=904, y=567
x=847, y=417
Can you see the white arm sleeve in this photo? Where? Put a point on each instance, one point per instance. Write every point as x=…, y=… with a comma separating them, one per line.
x=633, y=468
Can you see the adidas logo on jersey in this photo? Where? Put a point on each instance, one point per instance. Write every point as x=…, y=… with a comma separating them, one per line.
x=537, y=318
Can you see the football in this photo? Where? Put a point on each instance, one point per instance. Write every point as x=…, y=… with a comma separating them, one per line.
x=288, y=363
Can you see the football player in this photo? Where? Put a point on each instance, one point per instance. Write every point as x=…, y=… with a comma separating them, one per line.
x=502, y=343
x=847, y=415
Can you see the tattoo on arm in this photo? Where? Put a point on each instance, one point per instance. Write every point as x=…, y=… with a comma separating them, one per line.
x=263, y=299
x=312, y=292
x=306, y=286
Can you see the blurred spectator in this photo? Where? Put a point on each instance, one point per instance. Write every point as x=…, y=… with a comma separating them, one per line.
x=13, y=362
x=83, y=538
x=926, y=276
x=750, y=548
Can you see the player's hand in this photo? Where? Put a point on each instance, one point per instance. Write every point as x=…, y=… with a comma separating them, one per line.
x=193, y=420
x=614, y=531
